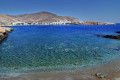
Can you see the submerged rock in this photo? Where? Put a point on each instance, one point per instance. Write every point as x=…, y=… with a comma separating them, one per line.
x=98, y=58
x=16, y=68
x=117, y=49
x=110, y=36
x=100, y=75
x=76, y=63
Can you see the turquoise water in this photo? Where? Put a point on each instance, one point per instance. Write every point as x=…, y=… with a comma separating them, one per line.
x=34, y=47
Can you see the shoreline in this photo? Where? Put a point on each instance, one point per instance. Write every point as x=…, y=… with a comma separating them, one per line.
x=111, y=70
x=4, y=31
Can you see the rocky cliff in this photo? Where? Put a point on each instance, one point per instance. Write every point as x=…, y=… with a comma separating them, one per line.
x=4, y=32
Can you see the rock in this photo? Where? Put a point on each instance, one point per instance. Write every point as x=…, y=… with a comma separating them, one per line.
x=5, y=29
x=97, y=23
x=118, y=32
x=117, y=49
x=4, y=32
x=16, y=68
x=100, y=75
x=8, y=30
x=1, y=34
x=110, y=36
x=76, y=63
x=97, y=58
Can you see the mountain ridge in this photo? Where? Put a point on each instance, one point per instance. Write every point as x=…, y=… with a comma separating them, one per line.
x=41, y=18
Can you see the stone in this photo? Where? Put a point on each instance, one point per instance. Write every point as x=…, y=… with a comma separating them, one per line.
x=76, y=63
x=110, y=36
x=118, y=32
x=100, y=75
x=97, y=58
x=117, y=49
x=9, y=30
x=16, y=68
x=1, y=34
x=4, y=32
x=5, y=29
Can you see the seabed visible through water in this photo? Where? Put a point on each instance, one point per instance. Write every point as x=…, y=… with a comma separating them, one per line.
x=57, y=48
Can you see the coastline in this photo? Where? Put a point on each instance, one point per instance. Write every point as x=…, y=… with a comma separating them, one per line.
x=111, y=70
x=4, y=31
x=112, y=73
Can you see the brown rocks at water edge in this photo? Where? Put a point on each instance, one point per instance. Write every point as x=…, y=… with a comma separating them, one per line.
x=118, y=32
x=4, y=32
x=110, y=36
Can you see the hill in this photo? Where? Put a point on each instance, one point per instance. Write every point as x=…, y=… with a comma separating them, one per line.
x=43, y=18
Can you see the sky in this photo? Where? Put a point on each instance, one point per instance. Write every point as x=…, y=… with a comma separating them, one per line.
x=86, y=10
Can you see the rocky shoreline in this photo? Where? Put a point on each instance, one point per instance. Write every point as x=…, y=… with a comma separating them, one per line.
x=101, y=72
x=4, y=32
x=111, y=36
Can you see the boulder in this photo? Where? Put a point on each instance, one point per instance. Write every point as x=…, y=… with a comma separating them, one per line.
x=110, y=36
x=5, y=29
x=8, y=30
x=100, y=75
x=76, y=63
x=1, y=34
x=4, y=32
x=118, y=32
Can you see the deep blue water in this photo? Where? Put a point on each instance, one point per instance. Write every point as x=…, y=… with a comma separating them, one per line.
x=33, y=47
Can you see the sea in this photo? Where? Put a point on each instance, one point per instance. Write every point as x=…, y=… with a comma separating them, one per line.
x=47, y=48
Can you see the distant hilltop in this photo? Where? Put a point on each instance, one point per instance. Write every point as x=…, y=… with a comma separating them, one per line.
x=44, y=18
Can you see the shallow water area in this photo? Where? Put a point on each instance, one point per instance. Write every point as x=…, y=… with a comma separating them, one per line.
x=55, y=48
